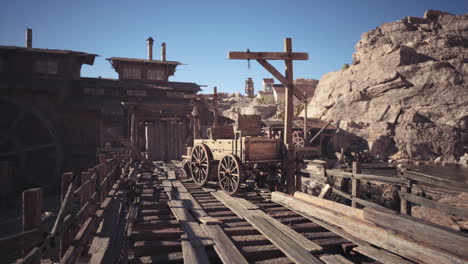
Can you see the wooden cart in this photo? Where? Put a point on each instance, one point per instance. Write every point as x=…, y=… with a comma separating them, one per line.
x=232, y=161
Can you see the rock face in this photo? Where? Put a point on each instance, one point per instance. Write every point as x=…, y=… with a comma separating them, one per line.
x=406, y=93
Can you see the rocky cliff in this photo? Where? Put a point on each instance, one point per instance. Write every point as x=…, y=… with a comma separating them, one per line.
x=406, y=92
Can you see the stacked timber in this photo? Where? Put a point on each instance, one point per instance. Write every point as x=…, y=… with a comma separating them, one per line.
x=405, y=236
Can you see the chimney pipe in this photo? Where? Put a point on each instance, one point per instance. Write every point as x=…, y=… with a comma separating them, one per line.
x=163, y=51
x=150, y=48
x=28, y=38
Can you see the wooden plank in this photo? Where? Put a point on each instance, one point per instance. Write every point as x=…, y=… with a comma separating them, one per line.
x=361, y=201
x=192, y=254
x=287, y=240
x=194, y=206
x=293, y=250
x=335, y=259
x=403, y=246
x=434, y=205
x=337, y=207
x=367, y=177
x=241, y=55
x=420, y=230
x=433, y=180
x=223, y=246
x=195, y=233
x=226, y=250
x=382, y=256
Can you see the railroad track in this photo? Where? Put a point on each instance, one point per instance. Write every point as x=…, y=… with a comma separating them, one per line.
x=177, y=221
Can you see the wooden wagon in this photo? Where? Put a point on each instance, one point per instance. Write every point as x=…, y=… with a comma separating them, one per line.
x=232, y=162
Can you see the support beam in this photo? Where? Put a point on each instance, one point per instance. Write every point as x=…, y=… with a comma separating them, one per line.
x=288, y=55
x=285, y=81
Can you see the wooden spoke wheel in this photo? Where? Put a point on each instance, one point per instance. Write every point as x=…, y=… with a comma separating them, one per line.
x=200, y=164
x=29, y=142
x=296, y=134
x=298, y=142
x=230, y=173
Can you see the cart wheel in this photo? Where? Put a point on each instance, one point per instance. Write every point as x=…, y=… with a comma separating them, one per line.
x=230, y=173
x=200, y=164
x=298, y=142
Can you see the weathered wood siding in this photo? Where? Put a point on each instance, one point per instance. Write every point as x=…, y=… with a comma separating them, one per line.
x=166, y=140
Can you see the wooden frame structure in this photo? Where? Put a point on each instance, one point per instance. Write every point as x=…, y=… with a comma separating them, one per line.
x=287, y=80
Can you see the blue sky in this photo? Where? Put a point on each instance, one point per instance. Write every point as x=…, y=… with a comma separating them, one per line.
x=200, y=33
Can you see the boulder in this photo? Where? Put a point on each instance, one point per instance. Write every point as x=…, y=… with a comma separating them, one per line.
x=406, y=92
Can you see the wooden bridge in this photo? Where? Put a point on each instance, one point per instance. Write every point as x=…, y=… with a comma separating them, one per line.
x=133, y=211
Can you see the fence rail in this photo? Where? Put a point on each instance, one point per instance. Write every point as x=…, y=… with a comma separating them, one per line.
x=405, y=180
x=84, y=201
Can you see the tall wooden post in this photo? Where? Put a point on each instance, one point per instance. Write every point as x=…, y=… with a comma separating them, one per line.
x=215, y=104
x=356, y=183
x=305, y=118
x=288, y=118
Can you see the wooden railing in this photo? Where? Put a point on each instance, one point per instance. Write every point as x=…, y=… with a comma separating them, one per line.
x=405, y=181
x=84, y=201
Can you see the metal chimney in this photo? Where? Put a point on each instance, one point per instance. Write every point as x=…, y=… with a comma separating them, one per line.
x=28, y=38
x=150, y=48
x=163, y=51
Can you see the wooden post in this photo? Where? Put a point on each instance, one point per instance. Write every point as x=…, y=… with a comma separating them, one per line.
x=32, y=208
x=405, y=206
x=356, y=183
x=305, y=118
x=288, y=118
x=215, y=104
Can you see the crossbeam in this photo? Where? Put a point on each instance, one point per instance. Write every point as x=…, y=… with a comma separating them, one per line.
x=247, y=55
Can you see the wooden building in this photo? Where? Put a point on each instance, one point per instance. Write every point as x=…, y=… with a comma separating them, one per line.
x=54, y=120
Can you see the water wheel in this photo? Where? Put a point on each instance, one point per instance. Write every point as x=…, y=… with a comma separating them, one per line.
x=230, y=173
x=200, y=164
x=29, y=143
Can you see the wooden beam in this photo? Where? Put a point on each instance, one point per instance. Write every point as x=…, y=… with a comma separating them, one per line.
x=271, y=69
x=287, y=83
x=420, y=230
x=242, y=55
x=402, y=245
x=446, y=208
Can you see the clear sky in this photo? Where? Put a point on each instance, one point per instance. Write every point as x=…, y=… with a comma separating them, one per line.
x=200, y=33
